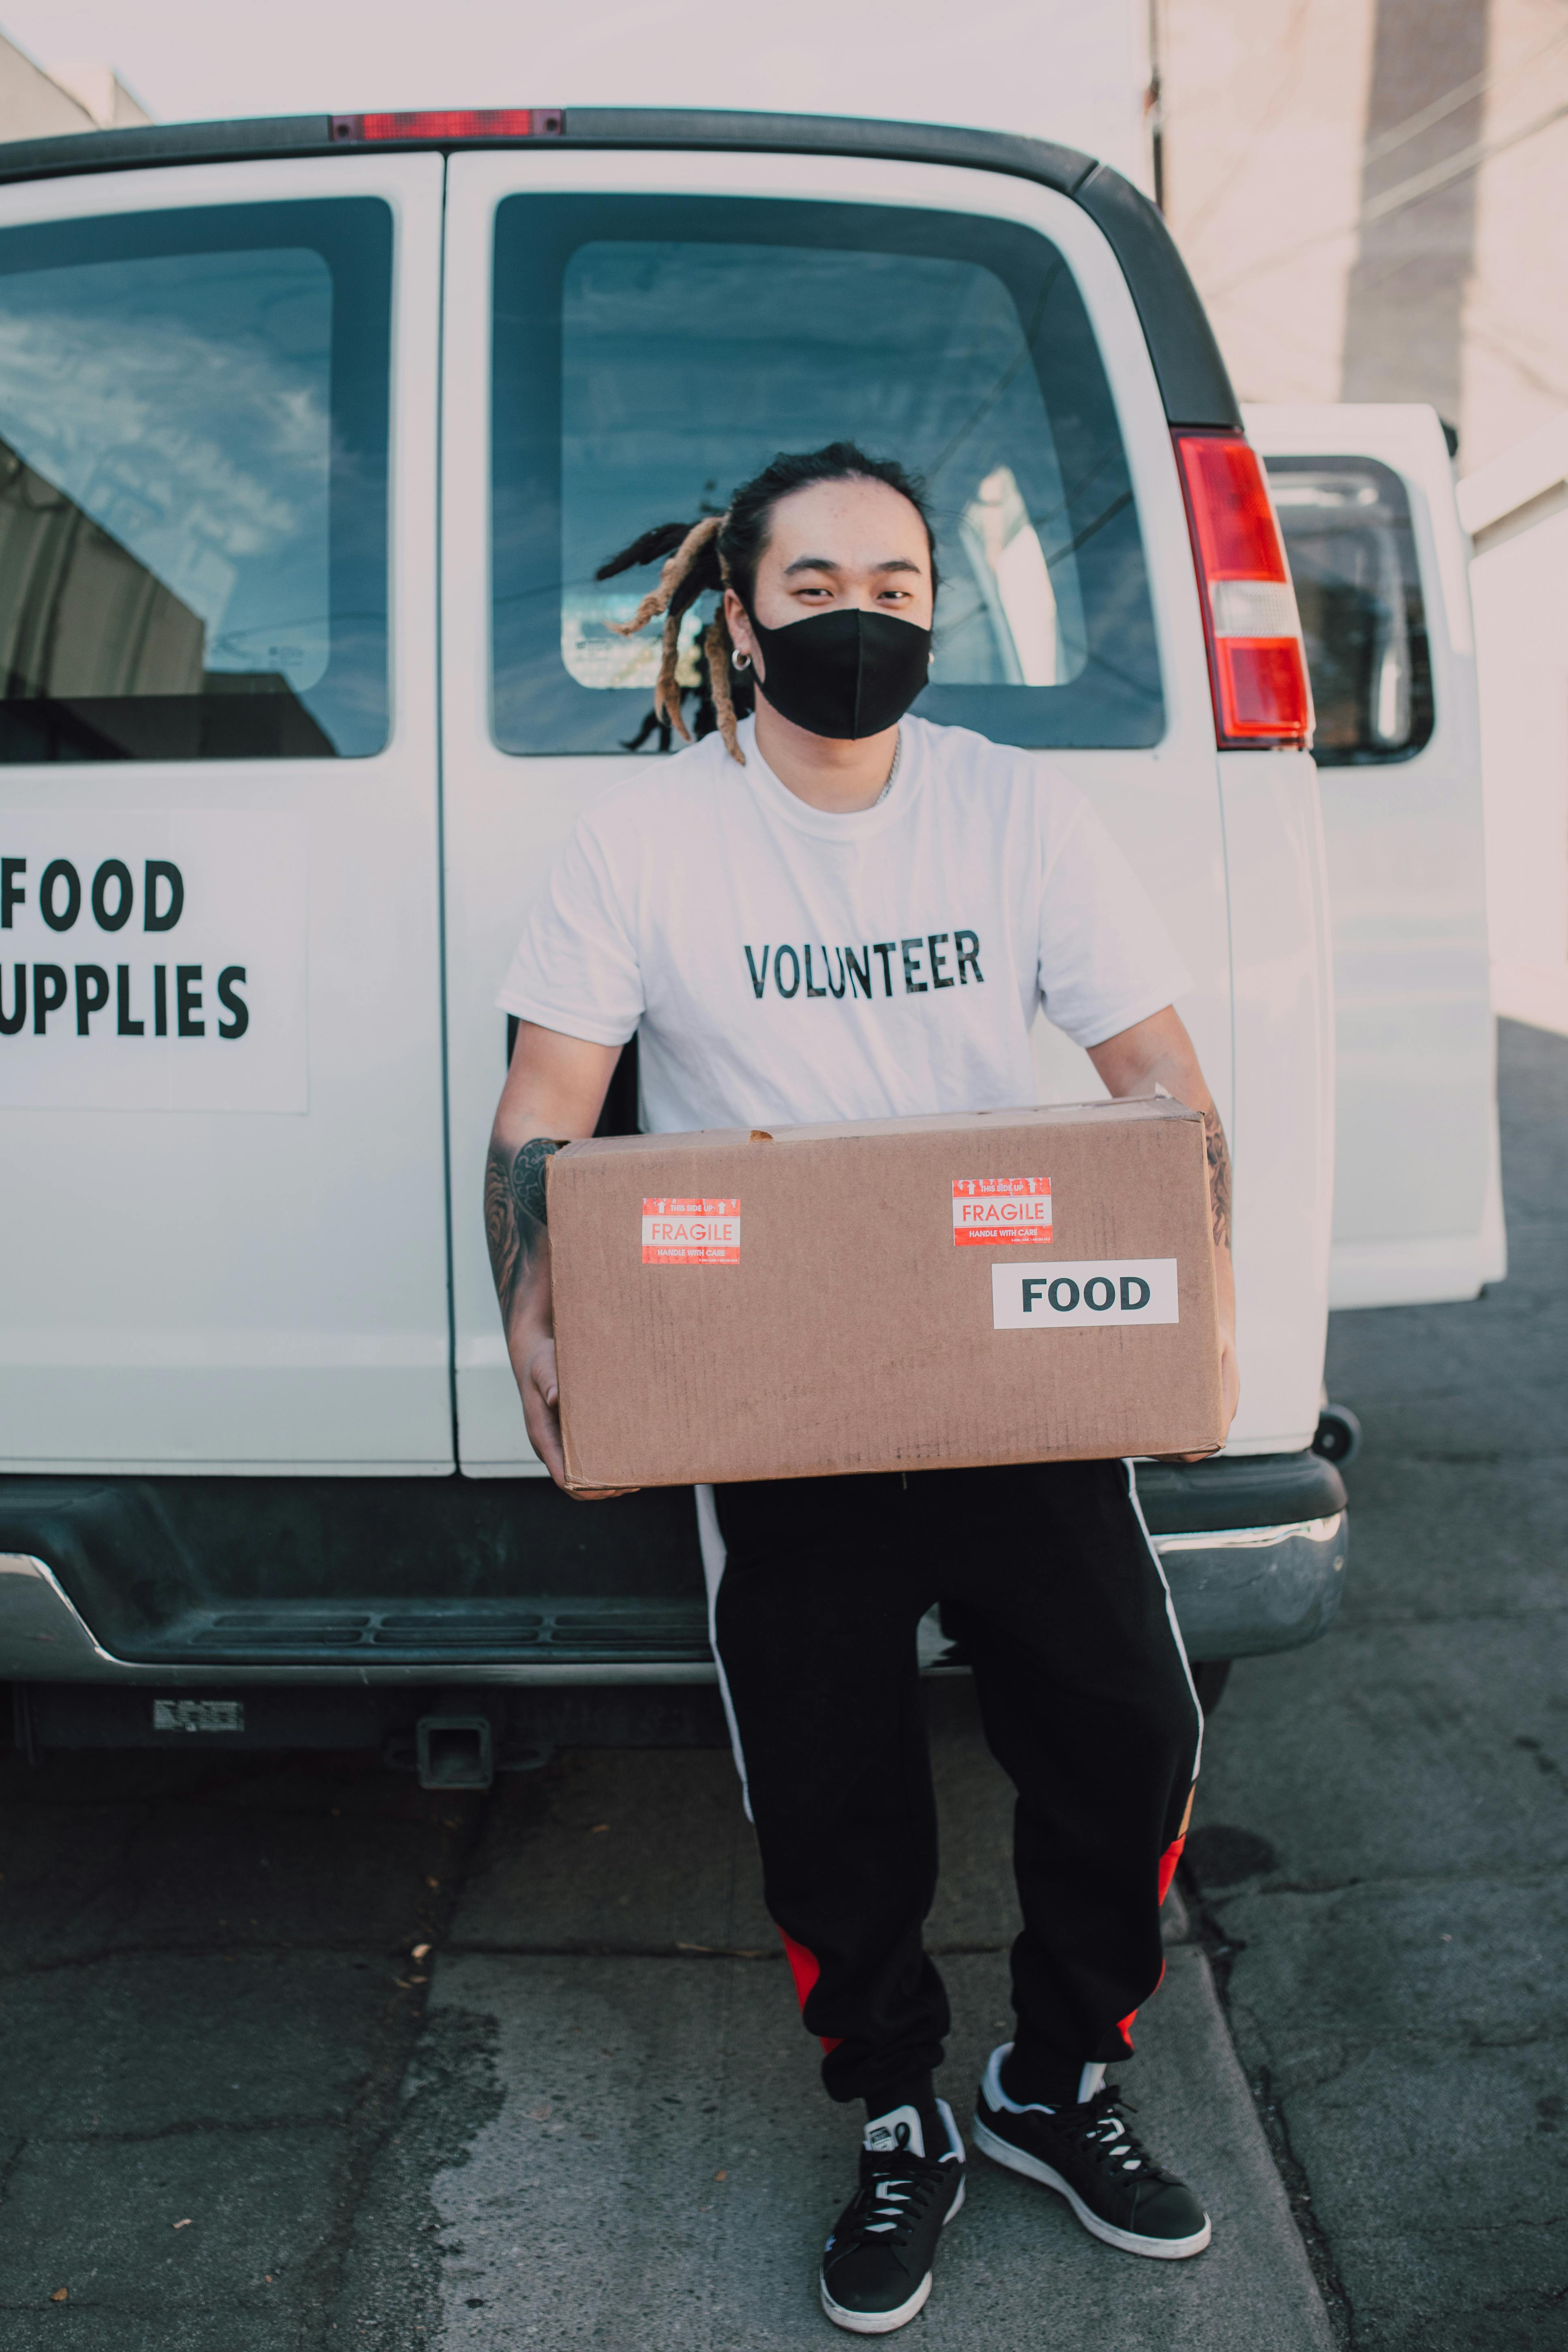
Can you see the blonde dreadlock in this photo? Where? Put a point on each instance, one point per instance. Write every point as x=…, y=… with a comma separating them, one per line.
x=720, y=653
x=691, y=568
x=722, y=551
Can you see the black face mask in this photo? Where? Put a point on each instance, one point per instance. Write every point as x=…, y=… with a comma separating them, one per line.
x=845, y=674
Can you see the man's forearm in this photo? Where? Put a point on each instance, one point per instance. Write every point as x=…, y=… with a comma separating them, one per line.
x=1218, y=1158
x=556, y=1087
x=515, y=1225
x=1219, y=1178
x=1157, y=1052
x=1219, y=1207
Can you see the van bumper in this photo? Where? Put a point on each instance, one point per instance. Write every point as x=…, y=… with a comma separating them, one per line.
x=1253, y=1546
x=1245, y=1592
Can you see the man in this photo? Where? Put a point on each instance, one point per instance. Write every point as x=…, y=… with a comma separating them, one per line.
x=833, y=817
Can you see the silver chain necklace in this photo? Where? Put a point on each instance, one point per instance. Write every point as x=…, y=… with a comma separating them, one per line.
x=892, y=772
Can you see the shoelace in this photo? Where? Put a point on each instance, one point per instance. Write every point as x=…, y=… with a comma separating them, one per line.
x=892, y=2194
x=1104, y=2132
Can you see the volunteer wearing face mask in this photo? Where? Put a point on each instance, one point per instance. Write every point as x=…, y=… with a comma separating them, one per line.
x=831, y=816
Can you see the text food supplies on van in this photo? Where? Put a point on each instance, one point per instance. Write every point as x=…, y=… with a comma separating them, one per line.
x=1021, y=1285
x=154, y=959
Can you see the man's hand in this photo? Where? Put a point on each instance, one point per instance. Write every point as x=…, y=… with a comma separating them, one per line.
x=1229, y=1378
x=555, y=1091
x=541, y=1407
x=1158, y=1053
x=541, y=1415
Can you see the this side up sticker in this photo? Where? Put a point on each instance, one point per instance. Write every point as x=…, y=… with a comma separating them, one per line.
x=1049, y=1296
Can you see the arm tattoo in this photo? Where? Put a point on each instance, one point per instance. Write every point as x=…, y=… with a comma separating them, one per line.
x=1219, y=1176
x=514, y=1214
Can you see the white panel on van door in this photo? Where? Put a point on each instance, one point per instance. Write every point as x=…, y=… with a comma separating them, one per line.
x=224, y=1230
x=1285, y=1061
x=506, y=816
x=1417, y=1205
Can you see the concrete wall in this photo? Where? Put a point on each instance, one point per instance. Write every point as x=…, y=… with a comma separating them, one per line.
x=1264, y=104
x=1517, y=511
x=31, y=105
x=1372, y=195
x=36, y=105
x=99, y=90
x=1369, y=195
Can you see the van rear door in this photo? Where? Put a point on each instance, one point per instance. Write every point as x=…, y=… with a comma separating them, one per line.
x=225, y=1229
x=1365, y=497
x=630, y=333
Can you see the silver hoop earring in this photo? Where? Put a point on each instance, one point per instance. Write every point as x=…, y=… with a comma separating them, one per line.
x=740, y=661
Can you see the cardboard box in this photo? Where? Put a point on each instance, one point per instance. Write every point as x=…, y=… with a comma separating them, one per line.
x=1023, y=1286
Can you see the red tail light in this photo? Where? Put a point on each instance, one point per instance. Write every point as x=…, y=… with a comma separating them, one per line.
x=471, y=122
x=1257, y=660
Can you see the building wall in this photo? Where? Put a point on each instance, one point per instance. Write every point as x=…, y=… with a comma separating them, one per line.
x=36, y=105
x=1263, y=104
x=1516, y=320
x=1517, y=587
x=1371, y=196
x=31, y=105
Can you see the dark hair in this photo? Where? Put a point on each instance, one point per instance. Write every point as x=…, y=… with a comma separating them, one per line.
x=724, y=551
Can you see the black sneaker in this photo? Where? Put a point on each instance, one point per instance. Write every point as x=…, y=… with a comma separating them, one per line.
x=876, y=2269
x=1090, y=2156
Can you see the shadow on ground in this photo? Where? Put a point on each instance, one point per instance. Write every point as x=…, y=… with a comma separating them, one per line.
x=297, y=2056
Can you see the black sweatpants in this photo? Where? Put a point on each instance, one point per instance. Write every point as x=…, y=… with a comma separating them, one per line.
x=1046, y=1574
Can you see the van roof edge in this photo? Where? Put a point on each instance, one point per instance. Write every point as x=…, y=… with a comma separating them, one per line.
x=1194, y=382
x=145, y=144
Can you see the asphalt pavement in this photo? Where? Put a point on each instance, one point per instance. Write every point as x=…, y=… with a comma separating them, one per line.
x=297, y=2056
x=1383, y=1826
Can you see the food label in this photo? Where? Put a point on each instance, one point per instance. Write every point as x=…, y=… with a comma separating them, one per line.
x=1048, y=1296
x=690, y=1233
x=991, y=1209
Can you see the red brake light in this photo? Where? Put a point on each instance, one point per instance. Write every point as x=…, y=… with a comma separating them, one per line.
x=1257, y=664
x=470, y=122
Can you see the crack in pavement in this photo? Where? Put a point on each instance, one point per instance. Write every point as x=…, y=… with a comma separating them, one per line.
x=372, y=1955
x=1221, y=1952
x=1528, y=1882
x=375, y=2111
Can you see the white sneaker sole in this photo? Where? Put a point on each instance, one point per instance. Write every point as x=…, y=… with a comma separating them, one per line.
x=883, y=2323
x=1159, y=2250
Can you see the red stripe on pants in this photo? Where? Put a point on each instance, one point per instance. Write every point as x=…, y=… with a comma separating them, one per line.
x=805, y=1967
x=1168, y=1862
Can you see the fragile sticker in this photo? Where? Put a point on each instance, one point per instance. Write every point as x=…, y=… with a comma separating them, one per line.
x=690, y=1233
x=1051, y=1297
x=987, y=1210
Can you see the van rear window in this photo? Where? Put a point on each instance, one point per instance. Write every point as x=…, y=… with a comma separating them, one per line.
x=1348, y=534
x=651, y=352
x=192, y=483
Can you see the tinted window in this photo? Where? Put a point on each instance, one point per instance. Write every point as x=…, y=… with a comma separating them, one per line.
x=193, y=484
x=1352, y=556
x=652, y=352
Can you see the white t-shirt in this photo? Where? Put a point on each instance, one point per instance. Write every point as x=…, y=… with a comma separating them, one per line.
x=782, y=966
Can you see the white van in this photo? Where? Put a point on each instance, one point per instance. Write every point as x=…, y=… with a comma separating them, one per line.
x=314, y=434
